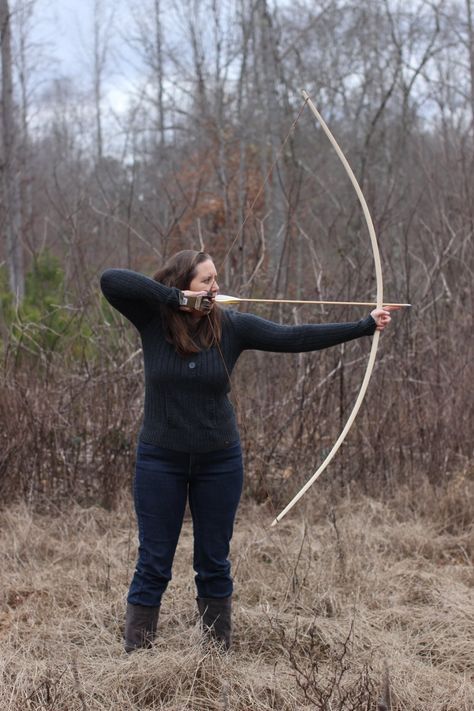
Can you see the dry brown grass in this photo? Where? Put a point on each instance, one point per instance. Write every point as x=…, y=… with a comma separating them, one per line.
x=322, y=606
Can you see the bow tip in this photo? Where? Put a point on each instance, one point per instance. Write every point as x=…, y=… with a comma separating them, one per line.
x=274, y=522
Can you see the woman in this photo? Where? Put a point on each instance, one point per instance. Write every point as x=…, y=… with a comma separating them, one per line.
x=188, y=446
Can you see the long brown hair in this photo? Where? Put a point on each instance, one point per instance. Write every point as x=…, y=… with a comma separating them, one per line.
x=187, y=334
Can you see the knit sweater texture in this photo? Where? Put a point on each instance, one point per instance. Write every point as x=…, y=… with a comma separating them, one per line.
x=187, y=408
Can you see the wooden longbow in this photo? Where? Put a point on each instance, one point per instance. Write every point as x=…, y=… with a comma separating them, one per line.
x=379, y=304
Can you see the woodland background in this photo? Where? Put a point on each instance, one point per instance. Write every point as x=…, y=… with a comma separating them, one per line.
x=84, y=188
x=213, y=88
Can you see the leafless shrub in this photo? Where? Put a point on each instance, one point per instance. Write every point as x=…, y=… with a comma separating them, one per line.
x=324, y=674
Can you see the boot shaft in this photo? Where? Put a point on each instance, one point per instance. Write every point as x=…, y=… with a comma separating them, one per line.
x=216, y=617
x=140, y=626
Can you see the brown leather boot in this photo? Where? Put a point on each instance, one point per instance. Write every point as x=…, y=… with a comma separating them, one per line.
x=140, y=626
x=216, y=616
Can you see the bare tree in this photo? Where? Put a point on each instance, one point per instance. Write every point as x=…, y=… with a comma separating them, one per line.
x=102, y=25
x=470, y=46
x=30, y=65
x=9, y=166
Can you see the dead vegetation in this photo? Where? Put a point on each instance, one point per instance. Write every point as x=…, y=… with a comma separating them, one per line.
x=351, y=603
x=359, y=606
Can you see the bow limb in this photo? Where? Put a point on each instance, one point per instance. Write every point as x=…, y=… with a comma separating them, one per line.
x=379, y=298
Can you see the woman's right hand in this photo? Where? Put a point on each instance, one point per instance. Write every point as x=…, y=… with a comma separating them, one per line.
x=197, y=301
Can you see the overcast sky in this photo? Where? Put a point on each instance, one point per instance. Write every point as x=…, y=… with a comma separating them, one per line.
x=60, y=23
x=62, y=30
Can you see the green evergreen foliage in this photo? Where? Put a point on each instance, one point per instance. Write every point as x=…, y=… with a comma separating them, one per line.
x=43, y=323
x=6, y=297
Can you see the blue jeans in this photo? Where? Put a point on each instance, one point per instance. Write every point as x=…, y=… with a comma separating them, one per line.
x=164, y=479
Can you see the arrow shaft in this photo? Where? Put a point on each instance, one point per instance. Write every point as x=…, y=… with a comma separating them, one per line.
x=236, y=300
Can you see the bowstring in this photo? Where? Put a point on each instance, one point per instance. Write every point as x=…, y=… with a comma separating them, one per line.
x=267, y=530
x=260, y=190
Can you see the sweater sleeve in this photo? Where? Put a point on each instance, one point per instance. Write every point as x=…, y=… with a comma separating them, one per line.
x=259, y=334
x=135, y=295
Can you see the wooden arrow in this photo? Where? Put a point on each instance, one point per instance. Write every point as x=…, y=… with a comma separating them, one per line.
x=225, y=299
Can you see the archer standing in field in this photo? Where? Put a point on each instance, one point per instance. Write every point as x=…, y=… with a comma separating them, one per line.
x=188, y=446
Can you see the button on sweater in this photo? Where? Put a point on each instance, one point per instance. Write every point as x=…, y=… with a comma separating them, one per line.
x=187, y=408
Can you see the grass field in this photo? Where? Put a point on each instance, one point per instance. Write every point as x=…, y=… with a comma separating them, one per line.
x=363, y=605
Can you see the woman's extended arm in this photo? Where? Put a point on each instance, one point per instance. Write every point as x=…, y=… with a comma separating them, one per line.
x=259, y=334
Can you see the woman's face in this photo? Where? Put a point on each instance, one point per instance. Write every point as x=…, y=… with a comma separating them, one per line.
x=205, y=278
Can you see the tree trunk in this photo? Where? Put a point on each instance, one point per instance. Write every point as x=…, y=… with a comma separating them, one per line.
x=9, y=167
x=159, y=72
x=470, y=39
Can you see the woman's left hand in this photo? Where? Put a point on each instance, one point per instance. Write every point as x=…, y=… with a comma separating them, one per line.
x=382, y=316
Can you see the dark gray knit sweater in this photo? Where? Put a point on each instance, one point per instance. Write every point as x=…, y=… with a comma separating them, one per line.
x=186, y=398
